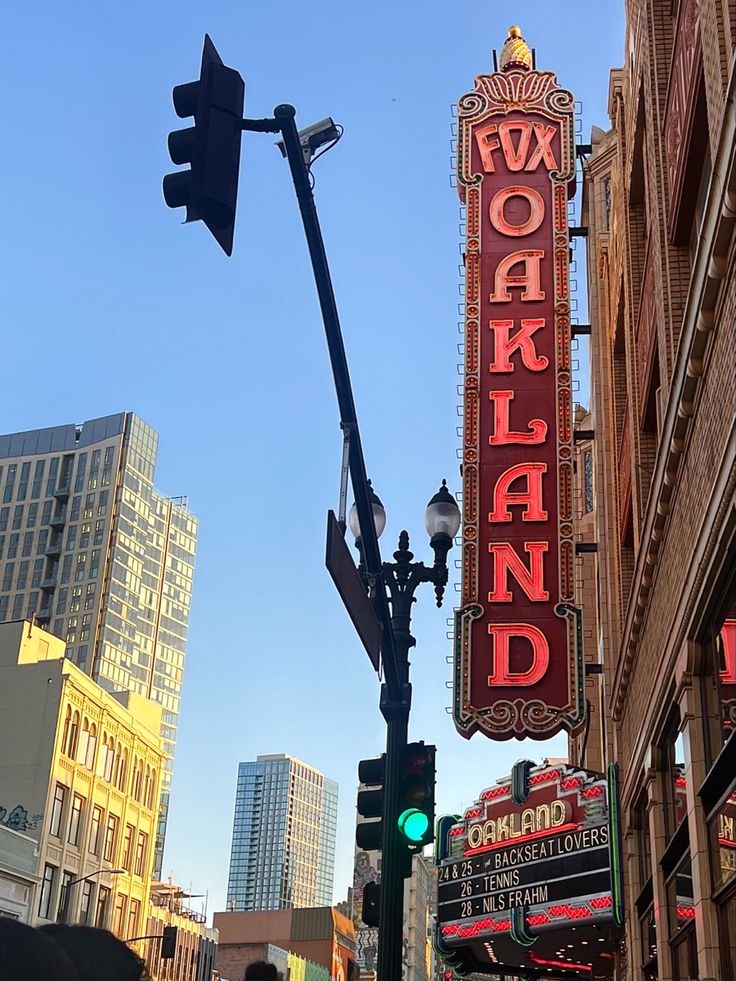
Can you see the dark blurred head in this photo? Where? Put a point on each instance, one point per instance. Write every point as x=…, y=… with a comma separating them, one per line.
x=261, y=971
x=29, y=955
x=97, y=955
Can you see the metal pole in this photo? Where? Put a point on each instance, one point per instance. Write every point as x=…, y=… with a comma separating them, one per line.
x=396, y=692
x=396, y=713
x=285, y=116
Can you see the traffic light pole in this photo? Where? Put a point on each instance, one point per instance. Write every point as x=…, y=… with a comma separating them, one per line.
x=391, y=908
x=396, y=640
x=285, y=117
x=209, y=192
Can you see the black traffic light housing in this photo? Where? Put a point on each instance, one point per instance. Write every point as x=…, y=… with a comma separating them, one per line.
x=416, y=796
x=209, y=189
x=371, y=903
x=168, y=943
x=371, y=773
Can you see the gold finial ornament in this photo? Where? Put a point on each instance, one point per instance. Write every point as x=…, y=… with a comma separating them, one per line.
x=515, y=52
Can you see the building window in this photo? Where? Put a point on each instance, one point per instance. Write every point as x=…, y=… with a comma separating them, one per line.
x=76, y=819
x=127, y=847
x=66, y=878
x=89, y=760
x=150, y=800
x=643, y=841
x=133, y=917
x=119, y=917
x=675, y=785
x=140, y=853
x=57, y=810
x=94, y=831
x=681, y=916
x=85, y=903
x=137, y=777
x=147, y=786
x=103, y=895
x=47, y=887
x=71, y=736
x=725, y=652
x=107, y=759
x=727, y=913
x=680, y=902
x=111, y=831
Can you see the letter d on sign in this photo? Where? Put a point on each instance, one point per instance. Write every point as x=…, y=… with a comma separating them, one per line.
x=502, y=673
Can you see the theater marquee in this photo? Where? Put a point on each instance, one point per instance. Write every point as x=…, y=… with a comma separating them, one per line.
x=518, y=669
x=537, y=854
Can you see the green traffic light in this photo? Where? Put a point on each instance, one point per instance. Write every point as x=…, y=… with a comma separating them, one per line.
x=413, y=824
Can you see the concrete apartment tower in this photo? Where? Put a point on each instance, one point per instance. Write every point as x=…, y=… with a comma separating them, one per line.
x=101, y=560
x=284, y=832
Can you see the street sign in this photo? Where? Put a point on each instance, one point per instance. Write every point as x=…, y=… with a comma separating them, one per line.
x=352, y=590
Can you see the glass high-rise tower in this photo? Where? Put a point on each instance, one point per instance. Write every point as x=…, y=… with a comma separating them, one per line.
x=101, y=559
x=284, y=832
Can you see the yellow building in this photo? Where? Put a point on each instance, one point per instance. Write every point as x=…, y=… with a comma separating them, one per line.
x=80, y=773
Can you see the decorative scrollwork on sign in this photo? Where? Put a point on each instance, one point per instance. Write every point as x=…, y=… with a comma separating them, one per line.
x=516, y=90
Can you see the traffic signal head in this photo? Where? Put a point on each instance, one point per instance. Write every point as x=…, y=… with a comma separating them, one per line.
x=371, y=773
x=416, y=795
x=371, y=903
x=209, y=189
x=168, y=943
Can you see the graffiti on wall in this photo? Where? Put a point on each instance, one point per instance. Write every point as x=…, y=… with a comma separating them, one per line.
x=18, y=819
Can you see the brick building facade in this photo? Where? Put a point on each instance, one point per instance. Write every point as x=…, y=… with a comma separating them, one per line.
x=660, y=206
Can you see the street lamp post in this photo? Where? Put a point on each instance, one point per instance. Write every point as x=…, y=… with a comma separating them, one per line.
x=399, y=581
x=64, y=914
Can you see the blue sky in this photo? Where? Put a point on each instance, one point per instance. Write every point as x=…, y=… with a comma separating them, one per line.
x=109, y=304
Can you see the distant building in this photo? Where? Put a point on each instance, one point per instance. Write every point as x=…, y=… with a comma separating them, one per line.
x=196, y=943
x=84, y=789
x=418, y=889
x=322, y=936
x=284, y=832
x=95, y=554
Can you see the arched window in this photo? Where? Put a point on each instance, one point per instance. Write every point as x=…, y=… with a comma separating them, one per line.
x=150, y=801
x=116, y=768
x=103, y=755
x=71, y=749
x=65, y=733
x=123, y=773
x=147, y=785
x=137, y=771
x=91, y=747
x=109, y=759
x=81, y=755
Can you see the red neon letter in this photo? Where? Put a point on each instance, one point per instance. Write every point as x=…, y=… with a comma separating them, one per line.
x=515, y=159
x=531, y=498
x=544, y=151
x=536, y=210
x=487, y=143
x=506, y=560
x=502, y=673
x=504, y=346
x=530, y=280
x=501, y=435
x=728, y=639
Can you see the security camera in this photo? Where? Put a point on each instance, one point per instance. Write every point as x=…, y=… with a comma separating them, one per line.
x=314, y=136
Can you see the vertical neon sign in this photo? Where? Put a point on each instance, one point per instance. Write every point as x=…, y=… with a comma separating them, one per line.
x=518, y=668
